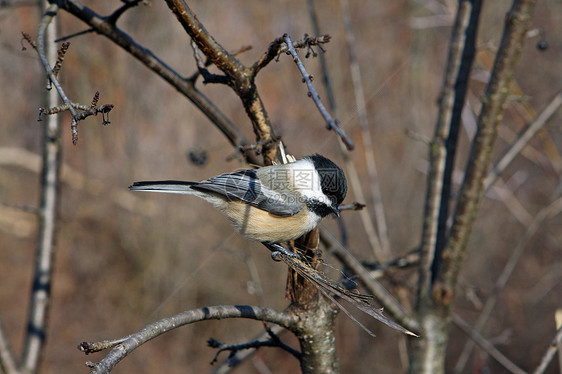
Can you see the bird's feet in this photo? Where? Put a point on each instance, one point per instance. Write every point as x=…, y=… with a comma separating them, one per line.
x=277, y=250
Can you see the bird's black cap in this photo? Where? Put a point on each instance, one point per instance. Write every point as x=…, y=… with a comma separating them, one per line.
x=332, y=178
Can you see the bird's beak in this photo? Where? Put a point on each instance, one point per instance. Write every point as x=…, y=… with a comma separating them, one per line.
x=336, y=211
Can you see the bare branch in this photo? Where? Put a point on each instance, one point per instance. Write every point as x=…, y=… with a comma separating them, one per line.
x=30, y=40
x=522, y=140
x=353, y=206
x=239, y=76
x=87, y=111
x=547, y=212
x=351, y=169
x=359, y=301
x=133, y=341
x=236, y=358
x=128, y=4
x=74, y=35
x=100, y=25
x=278, y=46
x=38, y=313
x=204, y=72
x=93, y=347
x=366, y=220
x=390, y=304
x=7, y=359
x=273, y=341
x=331, y=123
x=550, y=352
x=52, y=81
x=443, y=146
x=495, y=97
x=208, y=62
x=51, y=12
x=486, y=346
x=366, y=137
x=20, y=3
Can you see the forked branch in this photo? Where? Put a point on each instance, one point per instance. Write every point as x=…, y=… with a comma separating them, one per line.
x=123, y=346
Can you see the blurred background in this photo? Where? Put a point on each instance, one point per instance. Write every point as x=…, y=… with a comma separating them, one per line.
x=127, y=259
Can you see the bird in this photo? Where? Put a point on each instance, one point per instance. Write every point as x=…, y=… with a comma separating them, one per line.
x=271, y=204
x=276, y=204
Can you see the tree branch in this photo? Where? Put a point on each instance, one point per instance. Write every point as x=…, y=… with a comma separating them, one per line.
x=390, y=304
x=487, y=346
x=443, y=145
x=522, y=140
x=239, y=76
x=236, y=358
x=351, y=169
x=550, y=352
x=127, y=344
x=366, y=137
x=495, y=98
x=278, y=47
x=127, y=4
x=437, y=289
x=545, y=213
x=7, y=359
x=38, y=314
x=331, y=123
x=272, y=341
x=145, y=56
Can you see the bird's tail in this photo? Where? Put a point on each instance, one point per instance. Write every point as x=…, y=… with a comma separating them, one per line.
x=164, y=186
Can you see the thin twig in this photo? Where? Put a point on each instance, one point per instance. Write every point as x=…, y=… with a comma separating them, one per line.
x=390, y=304
x=128, y=4
x=558, y=321
x=208, y=62
x=443, y=146
x=73, y=35
x=203, y=71
x=49, y=14
x=355, y=206
x=38, y=313
x=495, y=97
x=322, y=57
x=234, y=359
x=164, y=325
x=100, y=25
x=68, y=105
x=331, y=123
x=272, y=341
x=522, y=140
x=239, y=76
x=7, y=359
x=486, y=346
x=368, y=146
x=278, y=47
x=349, y=164
x=20, y=3
x=366, y=219
x=88, y=347
x=551, y=210
x=511, y=202
x=87, y=111
x=360, y=301
x=550, y=352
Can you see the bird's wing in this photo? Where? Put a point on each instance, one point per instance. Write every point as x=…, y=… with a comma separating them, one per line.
x=245, y=185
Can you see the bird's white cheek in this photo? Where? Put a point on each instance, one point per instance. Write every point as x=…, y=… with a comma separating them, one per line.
x=312, y=221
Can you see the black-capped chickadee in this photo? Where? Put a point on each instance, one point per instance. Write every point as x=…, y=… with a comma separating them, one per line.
x=272, y=204
x=278, y=203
